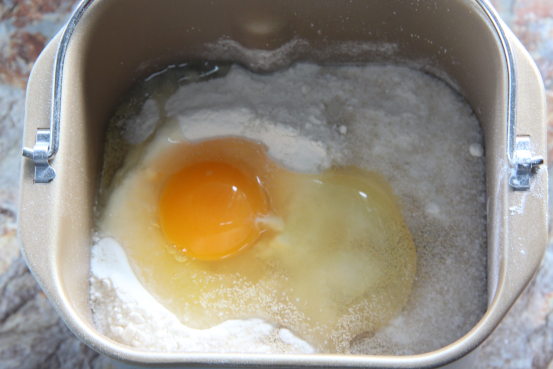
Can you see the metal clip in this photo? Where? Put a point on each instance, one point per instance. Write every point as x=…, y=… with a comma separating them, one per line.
x=44, y=173
x=523, y=163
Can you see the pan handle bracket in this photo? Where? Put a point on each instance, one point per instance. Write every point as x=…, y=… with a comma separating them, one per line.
x=524, y=163
x=44, y=173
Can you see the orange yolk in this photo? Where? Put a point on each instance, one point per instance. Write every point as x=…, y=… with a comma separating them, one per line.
x=209, y=210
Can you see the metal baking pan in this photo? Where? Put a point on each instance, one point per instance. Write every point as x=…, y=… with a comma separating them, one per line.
x=108, y=45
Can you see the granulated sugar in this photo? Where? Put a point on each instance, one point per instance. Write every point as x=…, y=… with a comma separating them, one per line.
x=408, y=126
x=421, y=135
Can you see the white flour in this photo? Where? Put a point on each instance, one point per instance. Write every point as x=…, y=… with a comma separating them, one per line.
x=127, y=313
x=288, y=113
x=141, y=126
x=408, y=126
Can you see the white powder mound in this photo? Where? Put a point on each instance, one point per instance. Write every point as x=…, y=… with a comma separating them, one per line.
x=264, y=61
x=127, y=313
x=286, y=144
x=287, y=114
x=139, y=127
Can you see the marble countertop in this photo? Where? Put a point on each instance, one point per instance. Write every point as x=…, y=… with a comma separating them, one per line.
x=31, y=333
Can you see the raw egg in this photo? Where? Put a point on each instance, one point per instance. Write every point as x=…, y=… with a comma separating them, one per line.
x=210, y=210
x=217, y=230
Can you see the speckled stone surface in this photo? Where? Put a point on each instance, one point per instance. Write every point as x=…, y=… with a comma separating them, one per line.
x=31, y=333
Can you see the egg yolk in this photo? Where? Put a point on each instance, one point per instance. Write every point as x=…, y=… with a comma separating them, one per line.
x=210, y=210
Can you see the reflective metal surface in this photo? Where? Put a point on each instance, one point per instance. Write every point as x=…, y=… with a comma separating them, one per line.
x=524, y=164
x=43, y=172
x=39, y=154
x=519, y=161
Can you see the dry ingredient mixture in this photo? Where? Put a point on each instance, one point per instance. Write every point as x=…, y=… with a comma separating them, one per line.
x=410, y=127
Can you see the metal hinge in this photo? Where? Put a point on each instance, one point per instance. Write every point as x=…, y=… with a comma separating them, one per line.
x=44, y=173
x=523, y=163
